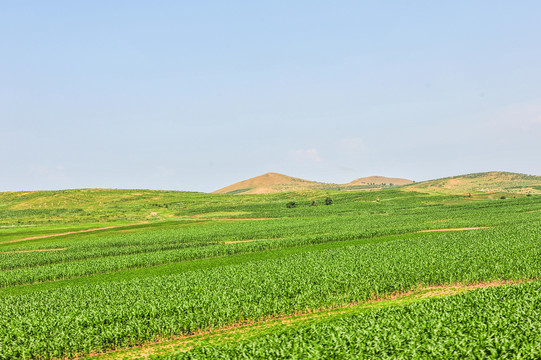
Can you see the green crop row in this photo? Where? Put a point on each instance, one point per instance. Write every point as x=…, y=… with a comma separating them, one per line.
x=498, y=323
x=84, y=319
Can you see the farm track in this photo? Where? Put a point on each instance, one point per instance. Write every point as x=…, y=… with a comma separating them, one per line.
x=244, y=330
x=72, y=232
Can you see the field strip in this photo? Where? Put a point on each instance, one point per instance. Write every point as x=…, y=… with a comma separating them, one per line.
x=248, y=329
x=457, y=229
x=27, y=251
x=72, y=232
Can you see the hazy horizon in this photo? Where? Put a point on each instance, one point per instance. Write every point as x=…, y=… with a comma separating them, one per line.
x=199, y=96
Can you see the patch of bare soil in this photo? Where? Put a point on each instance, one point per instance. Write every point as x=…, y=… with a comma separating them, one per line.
x=72, y=232
x=457, y=229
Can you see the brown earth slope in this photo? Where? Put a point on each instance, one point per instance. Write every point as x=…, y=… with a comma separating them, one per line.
x=274, y=183
x=271, y=183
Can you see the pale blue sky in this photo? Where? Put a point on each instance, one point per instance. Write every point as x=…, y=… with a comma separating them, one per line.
x=197, y=95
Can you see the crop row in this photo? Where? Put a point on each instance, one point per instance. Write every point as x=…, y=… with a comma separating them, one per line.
x=498, y=323
x=188, y=234
x=180, y=252
x=83, y=319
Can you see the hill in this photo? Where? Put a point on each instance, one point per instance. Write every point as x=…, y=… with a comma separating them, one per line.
x=272, y=183
x=491, y=182
x=380, y=180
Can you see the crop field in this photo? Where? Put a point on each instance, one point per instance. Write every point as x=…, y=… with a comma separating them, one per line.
x=179, y=275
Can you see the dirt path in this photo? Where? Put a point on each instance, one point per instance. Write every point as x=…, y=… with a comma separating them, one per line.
x=247, y=329
x=457, y=229
x=72, y=232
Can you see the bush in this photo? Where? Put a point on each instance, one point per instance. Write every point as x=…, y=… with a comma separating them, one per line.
x=291, y=204
x=328, y=201
x=314, y=203
x=503, y=198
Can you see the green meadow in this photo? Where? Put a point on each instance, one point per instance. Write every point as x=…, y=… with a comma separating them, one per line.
x=388, y=273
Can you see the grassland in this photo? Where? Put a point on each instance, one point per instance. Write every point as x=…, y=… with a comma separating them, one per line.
x=168, y=268
x=489, y=182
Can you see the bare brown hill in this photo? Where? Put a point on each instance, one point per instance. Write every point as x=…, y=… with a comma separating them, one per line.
x=488, y=182
x=274, y=183
x=380, y=180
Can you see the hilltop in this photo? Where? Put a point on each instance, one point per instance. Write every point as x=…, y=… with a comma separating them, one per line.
x=487, y=182
x=274, y=183
x=380, y=180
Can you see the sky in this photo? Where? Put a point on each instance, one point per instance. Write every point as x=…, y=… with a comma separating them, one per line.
x=197, y=95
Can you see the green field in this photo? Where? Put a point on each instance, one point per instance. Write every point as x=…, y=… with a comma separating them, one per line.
x=192, y=275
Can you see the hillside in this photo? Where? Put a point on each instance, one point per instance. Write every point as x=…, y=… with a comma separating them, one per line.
x=272, y=183
x=491, y=182
x=380, y=180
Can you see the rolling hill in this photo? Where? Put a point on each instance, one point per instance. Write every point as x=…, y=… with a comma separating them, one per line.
x=380, y=180
x=487, y=182
x=274, y=183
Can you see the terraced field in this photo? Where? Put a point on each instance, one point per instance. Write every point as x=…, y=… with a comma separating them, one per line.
x=176, y=275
